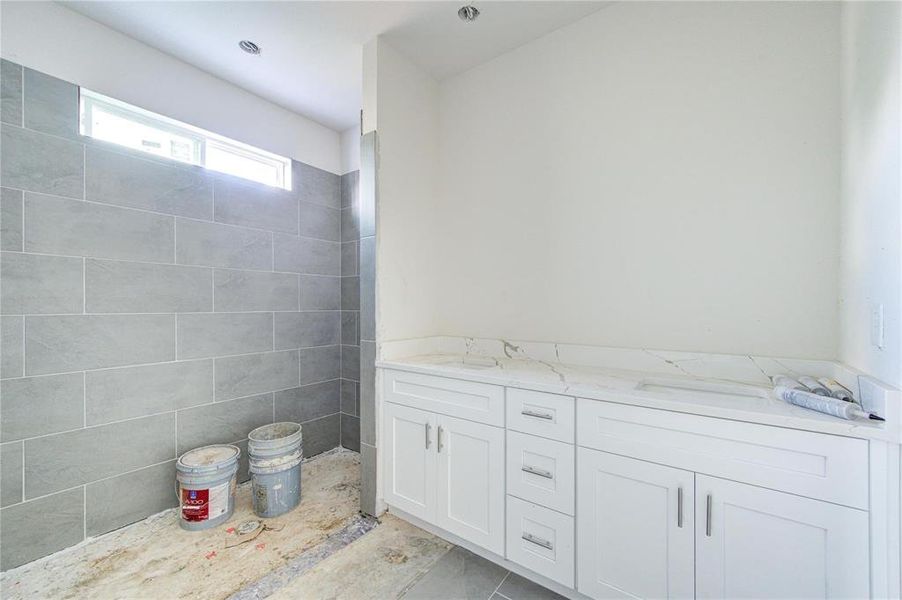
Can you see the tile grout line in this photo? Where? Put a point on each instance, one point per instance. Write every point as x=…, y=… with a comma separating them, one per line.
x=503, y=579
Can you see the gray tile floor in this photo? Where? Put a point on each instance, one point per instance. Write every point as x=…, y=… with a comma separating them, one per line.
x=462, y=575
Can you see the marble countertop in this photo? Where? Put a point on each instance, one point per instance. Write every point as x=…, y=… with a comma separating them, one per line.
x=718, y=397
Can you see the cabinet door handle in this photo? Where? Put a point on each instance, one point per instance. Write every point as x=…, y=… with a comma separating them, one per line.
x=538, y=415
x=428, y=428
x=708, y=517
x=679, y=507
x=440, y=445
x=537, y=471
x=537, y=541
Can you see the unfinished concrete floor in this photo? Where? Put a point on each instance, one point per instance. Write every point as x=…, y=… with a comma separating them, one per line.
x=155, y=558
x=324, y=550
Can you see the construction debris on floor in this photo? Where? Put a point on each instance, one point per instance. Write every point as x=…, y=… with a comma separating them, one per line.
x=321, y=549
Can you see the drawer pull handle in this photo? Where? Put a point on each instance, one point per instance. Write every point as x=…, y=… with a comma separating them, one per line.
x=538, y=415
x=679, y=507
x=440, y=445
x=708, y=517
x=537, y=471
x=537, y=541
x=428, y=428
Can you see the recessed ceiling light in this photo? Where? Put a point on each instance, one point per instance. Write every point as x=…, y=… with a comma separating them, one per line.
x=249, y=47
x=468, y=13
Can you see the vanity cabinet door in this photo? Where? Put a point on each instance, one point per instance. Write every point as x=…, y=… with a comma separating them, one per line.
x=753, y=542
x=470, y=483
x=634, y=528
x=409, y=459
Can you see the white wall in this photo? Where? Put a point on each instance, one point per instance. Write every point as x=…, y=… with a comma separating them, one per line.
x=406, y=123
x=350, y=150
x=51, y=38
x=658, y=175
x=872, y=190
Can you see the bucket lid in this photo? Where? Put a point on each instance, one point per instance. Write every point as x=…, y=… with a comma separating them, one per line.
x=209, y=458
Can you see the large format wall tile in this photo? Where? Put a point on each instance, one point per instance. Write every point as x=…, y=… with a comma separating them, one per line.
x=11, y=218
x=118, y=178
x=368, y=289
x=350, y=189
x=320, y=364
x=40, y=527
x=128, y=287
x=350, y=432
x=59, y=226
x=350, y=293
x=35, y=406
x=118, y=501
x=238, y=376
x=61, y=461
x=349, y=404
x=306, y=255
x=350, y=228
x=37, y=284
x=349, y=253
x=350, y=335
x=37, y=162
x=255, y=290
x=367, y=404
x=51, y=104
x=222, y=422
x=307, y=402
x=202, y=335
x=128, y=392
x=10, y=92
x=10, y=473
x=321, y=434
x=216, y=245
x=60, y=344
x=318, y=221
x=320, y=292
x=306, y=329
x=12, y=346
x=316, y=185
x=242, y=202
x=350, y=362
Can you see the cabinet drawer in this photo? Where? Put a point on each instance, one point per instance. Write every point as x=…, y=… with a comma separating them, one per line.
x=478, y=402
x=538, y=413
x=821, y=466
x=541, y=471
x=541, y=540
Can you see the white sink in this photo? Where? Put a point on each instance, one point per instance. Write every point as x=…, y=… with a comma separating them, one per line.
x=727, y=391
x=470, y=363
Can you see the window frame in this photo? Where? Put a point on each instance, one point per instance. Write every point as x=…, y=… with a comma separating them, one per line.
x=89, y=100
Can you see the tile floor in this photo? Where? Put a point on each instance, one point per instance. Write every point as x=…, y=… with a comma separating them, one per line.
x=462, y=575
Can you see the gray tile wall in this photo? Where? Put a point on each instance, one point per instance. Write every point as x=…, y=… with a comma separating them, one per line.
x=368, y=199
x=146, y=308
x=350, y=312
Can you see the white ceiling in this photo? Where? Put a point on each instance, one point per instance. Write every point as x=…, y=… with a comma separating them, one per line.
x=311, y=60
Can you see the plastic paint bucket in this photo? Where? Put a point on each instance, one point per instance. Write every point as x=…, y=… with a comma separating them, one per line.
x=274, y=456
x=205, y=485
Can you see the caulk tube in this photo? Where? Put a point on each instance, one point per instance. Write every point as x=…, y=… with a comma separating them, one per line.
x=812, y=384
x=823, y=404
x=836, y=390
x=788, y=382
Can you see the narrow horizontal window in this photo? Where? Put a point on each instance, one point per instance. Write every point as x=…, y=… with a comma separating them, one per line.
x=114, y=121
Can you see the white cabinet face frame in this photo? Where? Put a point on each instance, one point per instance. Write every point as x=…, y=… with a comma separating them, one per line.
x=480, y=402
x=470, y=486
x=635, y=528
x=754, y=542
x=409, y=459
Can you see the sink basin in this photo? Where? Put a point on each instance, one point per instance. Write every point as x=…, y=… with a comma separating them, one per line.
x=470, y=363
x=711, y=390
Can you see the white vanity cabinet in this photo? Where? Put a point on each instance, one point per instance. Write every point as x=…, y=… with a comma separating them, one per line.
x=609, y=499
x=636, y=528
x=446, y=470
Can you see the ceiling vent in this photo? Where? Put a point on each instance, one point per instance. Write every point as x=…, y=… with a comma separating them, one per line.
x=468, y=13
x=249, y=47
